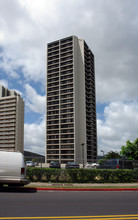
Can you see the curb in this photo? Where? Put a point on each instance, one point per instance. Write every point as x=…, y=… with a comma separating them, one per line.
x=35, y=189
x=84, y=189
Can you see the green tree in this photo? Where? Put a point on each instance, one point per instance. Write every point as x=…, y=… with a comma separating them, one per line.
x=130, y=151
x=112, y=155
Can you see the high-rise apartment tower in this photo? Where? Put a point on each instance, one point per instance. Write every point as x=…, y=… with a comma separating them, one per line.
x=11, y=120
x=71, y=132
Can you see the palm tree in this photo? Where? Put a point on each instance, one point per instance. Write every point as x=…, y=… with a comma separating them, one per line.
x=112, y=155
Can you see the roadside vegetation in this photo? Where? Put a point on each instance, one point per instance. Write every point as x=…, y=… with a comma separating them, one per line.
x=128, y=152
x=37, y=174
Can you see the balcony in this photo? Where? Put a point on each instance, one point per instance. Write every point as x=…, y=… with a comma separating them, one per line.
x=64, y=111
x=66, y=82
x=52, y=67
x=7, y=134
x=53, y=117
x=52, y=157
x=52, y=152
x=7, y=141
x=66, y=67
x=53, y=132
x=49, y=72
x=52, y=62
x=67, y=146
x=67, y=136
x=53, y=49
x=51, y=108
x=53, y=98
x=8, y=99
x=7, y=117
x=66, y=40
x=52, y=93
x=66, y=86
x=53, y=142
x=64, y=50
x=64, y=106
x=53, y=44
x=52, y=84
x=52, y=75
x=67, y=115
x=53, y=137
x=53, y=113
x=66, y=126
x=67, y=91
x=52, y=127
x=66, y=54
x=66, y=101
x=53, y=89
x=67, y=76
x=51, y=80
x=49, y=147
x=53, y=122
x=53, y=58
x=66, y=44
x=55, y=53
x=66, y=152
x=66, y=58
x=52, y=103
x=66, y=63
x=67, y=131
x=8, y=108
x=67, y=157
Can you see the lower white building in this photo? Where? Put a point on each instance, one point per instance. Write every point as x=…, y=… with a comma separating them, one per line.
x=11, y=120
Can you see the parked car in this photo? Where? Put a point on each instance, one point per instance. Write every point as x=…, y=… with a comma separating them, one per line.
x=116, y=164
x=91, y=165
x=36, y=164
x=30, y=163
x=54, y=164
x=72, y=165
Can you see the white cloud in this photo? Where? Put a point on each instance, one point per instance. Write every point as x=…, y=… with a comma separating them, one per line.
x=9, y=66
x=119, y=125
x=109, y=27
x=34, y=101
x=4, y=83
x=21, y=41
x=34, y=137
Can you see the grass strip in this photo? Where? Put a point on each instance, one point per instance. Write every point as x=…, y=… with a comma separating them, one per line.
x=83, y=187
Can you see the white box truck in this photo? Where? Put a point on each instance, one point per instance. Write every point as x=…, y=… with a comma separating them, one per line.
x=12, y=169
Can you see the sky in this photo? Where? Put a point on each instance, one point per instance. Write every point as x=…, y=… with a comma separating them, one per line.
x=110, y=28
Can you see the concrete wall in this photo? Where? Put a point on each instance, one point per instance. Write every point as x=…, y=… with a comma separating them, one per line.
x=80, y=111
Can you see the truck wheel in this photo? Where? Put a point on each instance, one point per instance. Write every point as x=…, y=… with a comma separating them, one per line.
x=1, y=185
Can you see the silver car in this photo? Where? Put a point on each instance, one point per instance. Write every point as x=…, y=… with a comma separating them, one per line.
x=91, y=165
x=30, y=164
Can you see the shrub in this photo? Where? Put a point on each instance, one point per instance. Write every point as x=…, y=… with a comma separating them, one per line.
x=35, y=174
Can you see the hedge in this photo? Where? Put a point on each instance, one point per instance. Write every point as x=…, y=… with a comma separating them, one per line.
x=36, y=174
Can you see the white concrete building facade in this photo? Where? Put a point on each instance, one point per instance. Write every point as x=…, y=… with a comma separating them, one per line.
x=11, y=120
x=71, y=131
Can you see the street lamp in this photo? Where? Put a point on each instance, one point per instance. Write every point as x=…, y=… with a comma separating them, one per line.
x=103, y=152
x=82, y=145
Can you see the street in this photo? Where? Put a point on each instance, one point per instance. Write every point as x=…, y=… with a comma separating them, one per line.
x=78, y=205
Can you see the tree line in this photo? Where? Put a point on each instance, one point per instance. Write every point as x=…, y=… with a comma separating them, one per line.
x=129, y=152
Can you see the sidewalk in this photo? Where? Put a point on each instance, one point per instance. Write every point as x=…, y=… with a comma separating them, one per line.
x=84, y=187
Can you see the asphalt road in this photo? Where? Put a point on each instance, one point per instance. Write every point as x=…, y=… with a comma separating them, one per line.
x=61, y=203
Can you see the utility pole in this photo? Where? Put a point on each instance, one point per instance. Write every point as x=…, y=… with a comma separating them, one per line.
x=82, y=145
x=103, y=152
